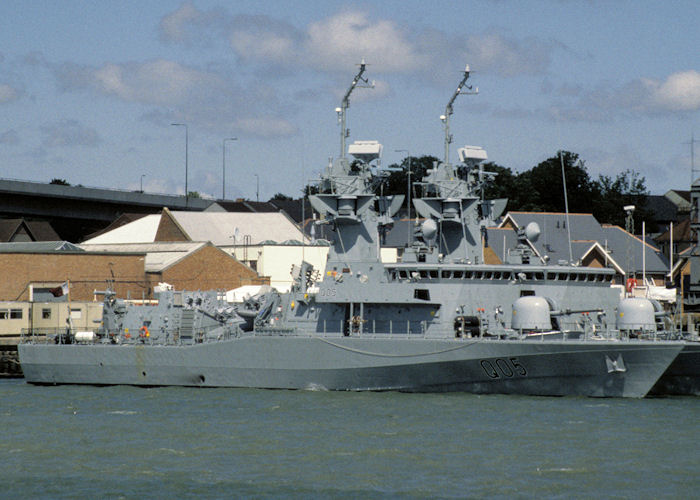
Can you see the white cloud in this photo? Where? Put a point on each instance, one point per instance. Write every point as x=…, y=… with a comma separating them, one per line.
x=154, y=82
x=494, y=53
x=180, y=93
x=157, y=82
x=173, y=27
x=240, y=103
x=680, y=92
x=8, y=94
x=344, y=39
x=347, y=38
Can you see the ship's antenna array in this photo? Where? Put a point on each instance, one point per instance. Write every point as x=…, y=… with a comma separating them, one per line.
x=342, y=110
x=449, y=110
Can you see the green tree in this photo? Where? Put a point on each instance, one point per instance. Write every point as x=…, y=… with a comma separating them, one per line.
x=628, y=188
x=503, y=186
x=541, y=189
x=60, y=182
x=397, y=181
x=281, y=197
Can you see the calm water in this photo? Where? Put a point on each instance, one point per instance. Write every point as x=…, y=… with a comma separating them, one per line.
x=90, y=442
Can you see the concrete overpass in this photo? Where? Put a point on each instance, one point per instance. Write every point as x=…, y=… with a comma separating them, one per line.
x=76, y=211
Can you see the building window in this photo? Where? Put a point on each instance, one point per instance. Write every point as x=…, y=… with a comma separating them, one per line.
x=15, y=313
x=4, y=314
x=76, y=313
x=46, y=314
x=253, y=265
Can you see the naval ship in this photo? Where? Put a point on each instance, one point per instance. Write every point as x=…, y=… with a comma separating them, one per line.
x=439, y=320
x=683, y=376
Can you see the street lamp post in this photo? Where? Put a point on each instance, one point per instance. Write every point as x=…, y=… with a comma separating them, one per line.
x=408, y=188
x=142, y=176
x=223, y=167
x=257, y=187
x=187, y=194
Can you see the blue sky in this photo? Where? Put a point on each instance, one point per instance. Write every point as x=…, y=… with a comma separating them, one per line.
x=89, y=89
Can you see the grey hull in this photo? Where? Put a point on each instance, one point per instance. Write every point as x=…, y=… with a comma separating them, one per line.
x=682, y=378
x=571, y=368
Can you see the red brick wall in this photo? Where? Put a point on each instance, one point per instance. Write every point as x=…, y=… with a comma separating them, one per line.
x=207, y=269
x=86, y=272
x=168, y=229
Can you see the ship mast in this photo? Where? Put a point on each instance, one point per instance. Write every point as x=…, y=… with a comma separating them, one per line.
x=449, y=110
x=342, y=110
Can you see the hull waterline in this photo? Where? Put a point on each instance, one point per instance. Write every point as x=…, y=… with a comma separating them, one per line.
x=598, y=369
x=682, y=378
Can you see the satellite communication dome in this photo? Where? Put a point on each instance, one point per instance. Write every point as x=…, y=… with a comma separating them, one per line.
x=532, y=231
x=429, y=229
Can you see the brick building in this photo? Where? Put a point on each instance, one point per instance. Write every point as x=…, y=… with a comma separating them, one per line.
x=31, y=268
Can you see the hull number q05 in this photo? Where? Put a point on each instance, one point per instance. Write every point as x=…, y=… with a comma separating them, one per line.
x=503, y=367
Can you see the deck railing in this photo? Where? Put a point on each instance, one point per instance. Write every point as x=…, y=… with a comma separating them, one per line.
x=339, y=328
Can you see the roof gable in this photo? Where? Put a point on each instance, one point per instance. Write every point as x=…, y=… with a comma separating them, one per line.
x=679, y=198
x=625, y=247
x=10, y=227
x=26, y=230
x=169, y=229
x=142, y=230
x=555, y=231
x=120, y=221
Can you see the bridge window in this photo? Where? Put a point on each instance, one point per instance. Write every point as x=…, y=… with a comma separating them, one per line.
x=421, y=294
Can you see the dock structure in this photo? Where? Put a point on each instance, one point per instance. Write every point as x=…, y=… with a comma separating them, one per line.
x=9, y=362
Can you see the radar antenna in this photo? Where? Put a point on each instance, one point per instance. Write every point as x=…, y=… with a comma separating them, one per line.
x=449, y=110
x=342, y=110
